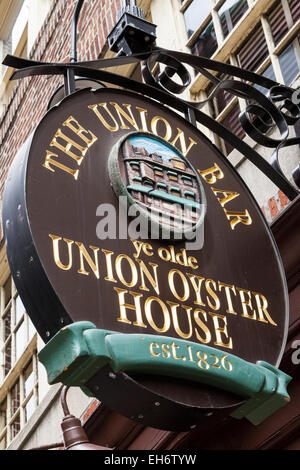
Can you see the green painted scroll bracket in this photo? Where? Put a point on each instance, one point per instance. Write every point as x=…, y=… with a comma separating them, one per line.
x=78, y=351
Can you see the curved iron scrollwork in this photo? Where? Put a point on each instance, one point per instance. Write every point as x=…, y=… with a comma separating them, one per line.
x=263, y=113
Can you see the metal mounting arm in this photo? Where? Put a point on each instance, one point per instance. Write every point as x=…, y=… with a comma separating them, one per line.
x=69, y=76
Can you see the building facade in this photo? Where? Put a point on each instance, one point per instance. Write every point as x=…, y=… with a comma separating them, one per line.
x=261, y=36
x=165, y=186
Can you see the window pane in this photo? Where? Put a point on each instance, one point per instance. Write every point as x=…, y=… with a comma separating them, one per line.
x=206, y=43
x=268, y=73
x=295, y=9
x=28, y=380
x=288, y=64
x=7, y=357
x=3, y=415
x=31, y=329
x=15, y=398
x=6, y=49
x=277, y=22
x=230, y=13
x=21, y=340
x=195, y=13
x=15, y=426
x=254, y=50
x=20, y=309
x=3, y=443
x=7, y=291
x=221, y=99
x=232, y=123
x=7, y=324
x=20, y=24
x=29, y=408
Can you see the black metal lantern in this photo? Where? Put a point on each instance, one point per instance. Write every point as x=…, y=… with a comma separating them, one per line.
x=132, y=33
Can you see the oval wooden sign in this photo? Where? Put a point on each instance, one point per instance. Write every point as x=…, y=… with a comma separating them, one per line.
x=92, y=159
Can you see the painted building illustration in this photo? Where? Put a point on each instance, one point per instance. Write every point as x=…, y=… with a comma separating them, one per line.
x=161, y=181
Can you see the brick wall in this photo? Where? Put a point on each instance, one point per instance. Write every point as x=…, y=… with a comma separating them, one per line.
x=30, y=96
x=274, y=206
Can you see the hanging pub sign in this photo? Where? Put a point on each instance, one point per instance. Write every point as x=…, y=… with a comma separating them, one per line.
x=145, y=264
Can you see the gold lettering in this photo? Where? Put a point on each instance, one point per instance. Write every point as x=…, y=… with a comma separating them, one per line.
x=262, y=305
x=196, y=282
x=109, y=269
x=202, y=363
x=141, y=246
x=221, y=330
x=85, y=255
x=228, y=196
x=80, y=131
x=182, y=141
x=246, y=304
x=217, y=304
x=174, y=312
x=164, y=309
x=186, y=288
x=164, y=254
x=56, y=255
x=227, y=289
x=243, y=217
x=147, y=249
x=69, y=144
x=211, y=175
x=192, y=260
x=134, y=274
x=124, y=307
x=202, y=325
x=152, y=346
x=49, y=161
x=191, y=359
x=113, y=128
x=143, y=113
x=129, y=117
x=152, y=279
x=154, y=124
x=138, y=247
x=174, y=347
x=165, y=348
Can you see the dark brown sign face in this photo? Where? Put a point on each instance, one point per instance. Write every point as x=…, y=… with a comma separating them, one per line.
x=225, y=288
